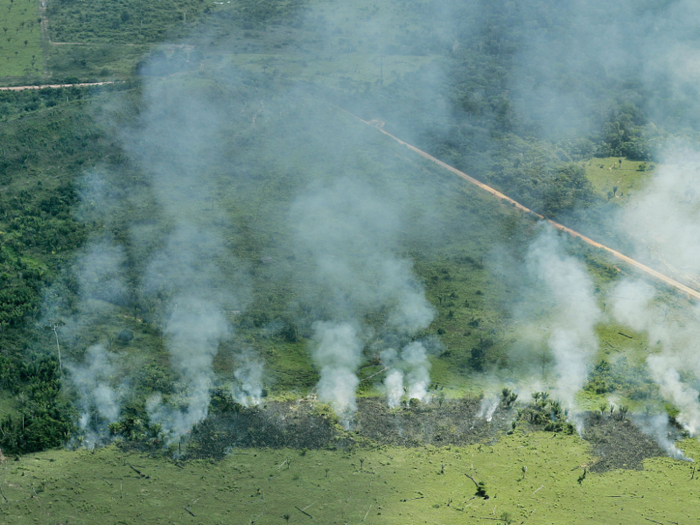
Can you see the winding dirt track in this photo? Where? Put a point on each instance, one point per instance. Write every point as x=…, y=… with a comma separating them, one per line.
x=690, y=292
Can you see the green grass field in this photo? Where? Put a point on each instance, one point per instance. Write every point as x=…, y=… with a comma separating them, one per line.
x=531, y=477
x=628, y=177
x=20, y=39
x=95, y=61
x=348, y=72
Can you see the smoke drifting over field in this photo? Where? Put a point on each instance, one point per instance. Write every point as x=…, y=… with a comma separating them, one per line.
x=359, y=293
x=182, y=274
x=352, y=239
x=99, y=400
x=634, y=305
x=672, y=194
x=573, y=341
x=408, y=374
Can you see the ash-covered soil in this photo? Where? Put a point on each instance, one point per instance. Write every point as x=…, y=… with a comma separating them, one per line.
x=616, y=441
x=453, y=423
x=305, y=424
x=275, y=425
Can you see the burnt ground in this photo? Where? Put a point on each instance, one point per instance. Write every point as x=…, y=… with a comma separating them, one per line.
x=274, y=424
x=616, y=441
x=310, y=425
x=453, y=423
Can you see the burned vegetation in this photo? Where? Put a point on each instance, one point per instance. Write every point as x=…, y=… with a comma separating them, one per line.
x=616, y=441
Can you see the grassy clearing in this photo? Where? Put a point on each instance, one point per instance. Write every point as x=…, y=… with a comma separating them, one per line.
x=103, y=61
x=530, y=478
x=20, y=39
x=349, y=72
x=628, y=176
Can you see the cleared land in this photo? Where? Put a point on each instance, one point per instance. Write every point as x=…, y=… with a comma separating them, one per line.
x=20, y=39
x=530, y=478
x=617, y=179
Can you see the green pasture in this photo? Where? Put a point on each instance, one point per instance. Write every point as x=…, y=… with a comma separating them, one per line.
x=95, y=61
x=347, y=72
x=617, y=178
x=20, y=39
x=530, y=477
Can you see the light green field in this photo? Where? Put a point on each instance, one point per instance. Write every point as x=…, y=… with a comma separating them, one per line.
x=91, y=61
x=383, y=486
x=352, y=72
x=628, y=176
x=20, y=39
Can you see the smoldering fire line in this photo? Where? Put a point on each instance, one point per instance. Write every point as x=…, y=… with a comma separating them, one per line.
x=690, y=292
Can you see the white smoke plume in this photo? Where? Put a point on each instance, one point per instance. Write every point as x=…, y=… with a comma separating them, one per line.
x=249, y=375
x=409, y=374
x=657, y=427
x=100, y=398
x=672, y=194
x=488, y=406
x=633, y=305
x=195, y=324
x=394, y=380
x=351, y=236
x=337, y=352
x=664, y=372
x=417, y=377
x=173, y=244
x=393, y=384
x=573, y=341
x=193, y=333
x=188, y=276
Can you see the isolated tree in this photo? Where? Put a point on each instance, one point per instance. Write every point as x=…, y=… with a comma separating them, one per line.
x=508, y=397
x=480, y=487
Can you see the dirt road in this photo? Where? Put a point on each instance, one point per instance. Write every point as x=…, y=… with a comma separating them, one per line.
x=54, y=86
x=690, y=292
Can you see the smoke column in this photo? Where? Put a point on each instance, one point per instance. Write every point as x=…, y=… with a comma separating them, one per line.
x=657, y=427
x=633, y=304
x=338, y=353
x=350, y=234
x=573, y=341
x=99, y=401
x=409, y=373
